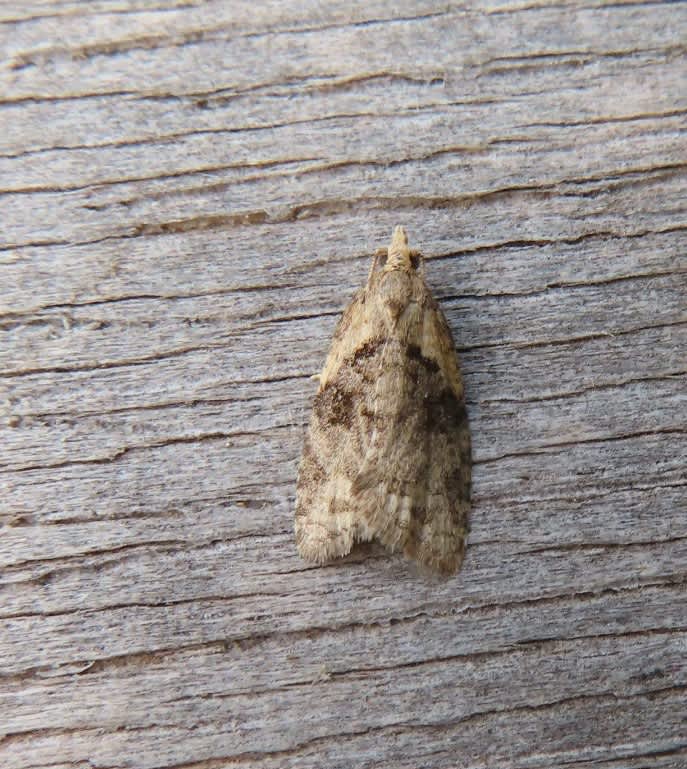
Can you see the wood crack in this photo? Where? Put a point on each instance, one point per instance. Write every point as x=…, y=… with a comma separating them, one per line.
x=550, y=288
x=574, y=340
x=552, y=448
x=596, y=387
x=119, y=453
x=144, y=605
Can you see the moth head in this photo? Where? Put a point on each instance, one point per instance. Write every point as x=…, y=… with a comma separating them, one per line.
x=396, y=279
x=396, y=258
x=398, y=254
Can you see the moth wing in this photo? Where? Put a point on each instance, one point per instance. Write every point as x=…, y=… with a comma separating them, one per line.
x=413, y=489
x=327, y=521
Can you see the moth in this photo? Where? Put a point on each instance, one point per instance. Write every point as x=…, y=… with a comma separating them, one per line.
x=387, y=455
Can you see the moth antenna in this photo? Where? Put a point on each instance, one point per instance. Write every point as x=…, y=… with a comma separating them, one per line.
x=418, y=261
x=378, y=254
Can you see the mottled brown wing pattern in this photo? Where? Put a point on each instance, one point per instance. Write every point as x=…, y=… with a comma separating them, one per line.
x=326, y=523
x=413, y=488
x=387, y=455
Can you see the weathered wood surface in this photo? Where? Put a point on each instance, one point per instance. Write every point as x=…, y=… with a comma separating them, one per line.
x=189, y=193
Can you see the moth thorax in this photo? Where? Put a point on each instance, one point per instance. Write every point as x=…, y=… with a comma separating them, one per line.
x=395, y=291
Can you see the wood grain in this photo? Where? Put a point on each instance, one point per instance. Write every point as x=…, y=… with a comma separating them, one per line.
x=189, y=193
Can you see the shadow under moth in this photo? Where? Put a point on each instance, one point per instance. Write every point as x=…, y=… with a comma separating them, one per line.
x=387, y=455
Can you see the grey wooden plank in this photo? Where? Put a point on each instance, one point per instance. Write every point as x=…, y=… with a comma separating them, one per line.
x=188, y=194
